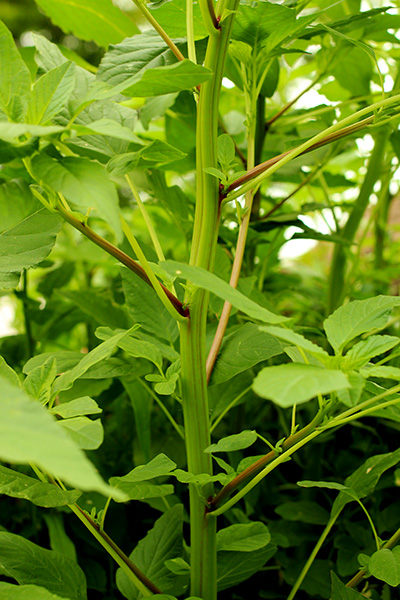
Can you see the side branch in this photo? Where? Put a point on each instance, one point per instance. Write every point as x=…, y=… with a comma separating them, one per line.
x=120, y=256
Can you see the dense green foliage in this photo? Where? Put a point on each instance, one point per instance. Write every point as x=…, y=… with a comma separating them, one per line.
x=170, y=370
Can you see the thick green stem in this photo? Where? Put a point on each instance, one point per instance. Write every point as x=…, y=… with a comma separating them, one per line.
x=338, y=266
x=193, y=355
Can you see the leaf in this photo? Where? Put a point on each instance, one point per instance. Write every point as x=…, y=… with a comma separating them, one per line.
x=295, y=383
x=351, y=396
x=107, y=127
x=233, y=442
x=171, y=15
x=30, y=564
x=99, y=307
x=303, y=510
x=97, y=20
x=163, y=542
x=156, y=153
x=59, y=540
x=87, y=434
x=84, y=183
x=26, y=244
x=243, y=537
x=142, y=404
x=10, y=151
x=133, y=346
x=288, y=335
x=29, y=434
x=39, y=381
x=15, y=80
x=146, y=308
x=361, y=353
x=199, y=479
x=50, y=93
x=243, y=349
x=226, y=149
x=48, y=495
x=353, y=319
x=385, y=565
x=77, y=407
x=12, y=131
x=6, y=372
x=365, y=478
x=8, y=591
x=235, y=567
x=384, y=371
x=144, y=66
x=203, y=279
x=102, y=351
x=341, y=592
x=159, y=466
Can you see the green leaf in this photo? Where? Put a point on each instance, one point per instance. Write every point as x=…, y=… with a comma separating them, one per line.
x=101, y=352
x=341, y=592
x=76, y=408
x=10, y=151
x=29, y=434
x=160, y=466
x=133, y=346
x=99, y=307
x=30, y=564
x=296, y=383
x=141, y=66
x=8, y=591
x=237, y=441
x=59, y=540
x=12, y=131
x=243, y=537
x=142, y=403
x=87, y=434
x=15, y=80
x=385, y=565
x=203, y=279
x=365, y=478
x=353, y=319
x=156, y=153
x=351, y=396
x=199, y=479
x=171, y=15
x=383, y=371
x=362, y=352
x=235, y=567
x=6, y=372
x=146, y=308
x=84, y=183
x=50, y=93
x=48, y=495
x=288, y=335
x=27, y=233
x=107, y=127
x=97, y=20
x=163, y=542
x=303, y=510
x=226, y=149
x=39, y=381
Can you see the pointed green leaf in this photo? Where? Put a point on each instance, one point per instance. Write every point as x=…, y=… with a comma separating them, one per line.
x=199, y=479
x=160, y=466
x=84, y=183
x=385, y=565
x=295, y=383
x=59, y=540
x=39, y=381
x=15, y=80
x=237, y=441
x=288, y=335
x=8, y=373
x=87, y=434
x=29, y=434
x=234, y=567
x=107, y=127
x=303, y=511
x=171, y=15
x=163, y=542
x=101, y=352
x=12, y=131
x=156, y=153
x=76, y=408
x=353, y=319
x=226, y=149
x=383, y=371
x=48, y=495
x=133, y=346
x=341, y=592
x=243, y=537
x=50, y=93
x=9, y=591
x=203, y=279
x=30, y=564
x=362, y=352
x=97, y=20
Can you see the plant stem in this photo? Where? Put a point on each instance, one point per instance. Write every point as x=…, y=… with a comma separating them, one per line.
x=209, y=16
x=190, y=31
x=141, y=4
x=193, y=356
x=30, y=342
x=285, y=108
x=165, y=410
x=121, y=256
x=339, y=260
